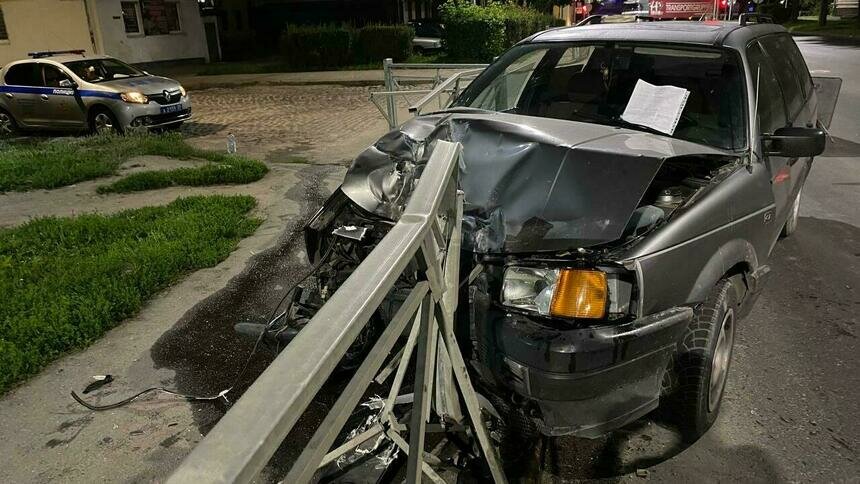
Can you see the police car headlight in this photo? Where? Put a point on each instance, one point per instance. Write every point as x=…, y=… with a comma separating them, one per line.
x=182, y=91
x=134, y=97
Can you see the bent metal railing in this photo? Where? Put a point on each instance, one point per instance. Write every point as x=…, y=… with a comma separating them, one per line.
x=397, y=76
x=428, y=232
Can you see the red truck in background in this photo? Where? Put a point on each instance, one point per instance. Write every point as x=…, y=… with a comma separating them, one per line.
x=674, y=9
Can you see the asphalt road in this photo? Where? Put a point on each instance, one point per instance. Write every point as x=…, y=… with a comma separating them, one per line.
x=793, y=396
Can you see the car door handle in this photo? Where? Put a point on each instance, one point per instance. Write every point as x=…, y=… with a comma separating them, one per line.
x=9, y=95
x=44, y=97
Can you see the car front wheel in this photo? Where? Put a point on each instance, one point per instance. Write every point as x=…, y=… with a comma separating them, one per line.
x=702, y=361
x=103, y=121
x=8, y=126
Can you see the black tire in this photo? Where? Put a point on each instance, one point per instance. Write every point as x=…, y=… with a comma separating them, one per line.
x=102, y=121
x=698, y=380
x=794, y=214
x=8, y=125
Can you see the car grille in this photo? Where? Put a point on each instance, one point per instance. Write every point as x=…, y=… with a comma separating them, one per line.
x=171, y=97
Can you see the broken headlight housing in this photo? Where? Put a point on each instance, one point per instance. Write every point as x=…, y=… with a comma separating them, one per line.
x=566, y=292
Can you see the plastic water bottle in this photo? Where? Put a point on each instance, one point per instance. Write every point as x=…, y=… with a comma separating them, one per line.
x=231, y=143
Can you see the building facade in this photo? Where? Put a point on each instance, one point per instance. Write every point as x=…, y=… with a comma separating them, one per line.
x=137, y=31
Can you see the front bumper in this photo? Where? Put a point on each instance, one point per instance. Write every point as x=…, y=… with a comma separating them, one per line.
x=587, y=381
x=150, y=115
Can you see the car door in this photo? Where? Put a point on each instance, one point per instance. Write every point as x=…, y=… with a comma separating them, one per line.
x=771, y=115
x=58, y=105
x=796, y=83
x=22, y=91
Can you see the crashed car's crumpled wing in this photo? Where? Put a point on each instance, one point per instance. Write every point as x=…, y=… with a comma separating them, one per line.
x=531, y=184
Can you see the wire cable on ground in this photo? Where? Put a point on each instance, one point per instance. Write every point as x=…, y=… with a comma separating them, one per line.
x=222, y=393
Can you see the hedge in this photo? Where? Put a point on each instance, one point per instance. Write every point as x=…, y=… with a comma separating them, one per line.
x=324, y=46
x=316, y=46
x=376, y=42
x=478, y=34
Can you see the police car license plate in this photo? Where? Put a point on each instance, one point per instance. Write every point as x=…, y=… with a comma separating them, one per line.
x=172, y=108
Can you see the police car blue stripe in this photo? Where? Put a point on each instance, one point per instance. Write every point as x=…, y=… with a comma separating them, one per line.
x=58, y=91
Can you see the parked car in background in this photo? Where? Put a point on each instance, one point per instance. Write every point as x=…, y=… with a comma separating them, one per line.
x=67, y=90
x=429, y=35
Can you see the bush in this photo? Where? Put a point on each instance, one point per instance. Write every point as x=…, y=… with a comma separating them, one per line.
x=478, y=33
x=239, y=46
x=316, y=46
x=474, y=33
x=779, y=12
x=376, y=42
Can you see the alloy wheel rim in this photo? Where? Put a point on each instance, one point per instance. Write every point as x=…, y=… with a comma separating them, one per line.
x=5, y=124
x=103, y=123
x=720, y=361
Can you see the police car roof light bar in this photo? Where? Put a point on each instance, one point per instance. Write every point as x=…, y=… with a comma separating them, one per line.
x=49, y=53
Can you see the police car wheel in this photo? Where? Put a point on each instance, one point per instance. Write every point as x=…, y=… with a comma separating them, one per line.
x=8, y=126
x=104, y=122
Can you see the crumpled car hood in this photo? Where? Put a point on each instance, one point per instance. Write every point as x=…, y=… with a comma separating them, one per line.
x=531, y=184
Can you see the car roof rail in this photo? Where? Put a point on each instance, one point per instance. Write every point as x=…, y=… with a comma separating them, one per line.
x=49, y=53
x=591, y=19
x=757, y=18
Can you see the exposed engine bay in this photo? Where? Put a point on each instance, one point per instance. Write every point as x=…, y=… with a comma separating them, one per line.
x=539, y=200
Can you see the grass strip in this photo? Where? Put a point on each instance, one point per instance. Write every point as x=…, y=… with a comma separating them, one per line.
x=46, y=164
x=65, y=281
x=229, y=170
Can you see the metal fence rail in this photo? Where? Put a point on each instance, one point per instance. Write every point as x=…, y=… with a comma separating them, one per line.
x=431, y=77
x=428, y=232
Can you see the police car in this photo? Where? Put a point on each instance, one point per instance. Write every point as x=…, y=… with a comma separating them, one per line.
x=72, y=91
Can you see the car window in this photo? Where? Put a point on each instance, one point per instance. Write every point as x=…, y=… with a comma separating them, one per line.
x=771, y=108
x=101, y=70
x=503, y=93
x=27, y=74
x=594, y=83
x=53, y=76
x=796, y=58
x=778, y=49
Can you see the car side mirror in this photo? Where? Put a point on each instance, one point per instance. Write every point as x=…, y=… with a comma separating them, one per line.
x=795, y=142
x=68, y=83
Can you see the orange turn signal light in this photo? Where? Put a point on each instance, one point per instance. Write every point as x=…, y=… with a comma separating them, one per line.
x=579, y=294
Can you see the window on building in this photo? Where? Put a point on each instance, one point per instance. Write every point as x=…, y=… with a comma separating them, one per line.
x=3, y=34
x=130, y=17
x=160, y=17
x=26, y=74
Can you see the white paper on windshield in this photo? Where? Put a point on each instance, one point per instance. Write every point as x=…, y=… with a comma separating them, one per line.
x=658, y=107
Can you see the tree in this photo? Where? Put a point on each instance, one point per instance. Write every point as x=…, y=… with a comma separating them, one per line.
x=822, y=12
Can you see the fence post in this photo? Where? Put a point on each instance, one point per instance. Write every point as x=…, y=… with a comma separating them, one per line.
x=389, y=86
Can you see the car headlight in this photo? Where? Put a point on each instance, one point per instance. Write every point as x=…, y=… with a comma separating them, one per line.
x=182, y=90
x=134, y=97
x=565, y=293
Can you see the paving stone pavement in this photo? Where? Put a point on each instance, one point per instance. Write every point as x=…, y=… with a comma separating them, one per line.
x=324, y=123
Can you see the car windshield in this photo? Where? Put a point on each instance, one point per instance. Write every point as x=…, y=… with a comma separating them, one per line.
x=593, y=82
x=101, y=70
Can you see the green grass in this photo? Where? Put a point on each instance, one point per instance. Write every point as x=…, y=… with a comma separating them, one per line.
x=227, y=170
x=55, y=163
x=65, y=281
x=835, y=28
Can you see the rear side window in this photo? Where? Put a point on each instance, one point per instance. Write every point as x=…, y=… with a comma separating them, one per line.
x=780, y=49
x=771, y=109
x=29, y=74
x=53, y=76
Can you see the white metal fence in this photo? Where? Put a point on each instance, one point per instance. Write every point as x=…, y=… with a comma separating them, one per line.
x=428, y=232
x=419, y=85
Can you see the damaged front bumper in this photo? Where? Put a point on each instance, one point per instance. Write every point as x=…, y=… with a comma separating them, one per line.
x=586, y=381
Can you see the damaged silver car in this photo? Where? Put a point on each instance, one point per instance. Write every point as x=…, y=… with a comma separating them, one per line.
x=624, y=187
